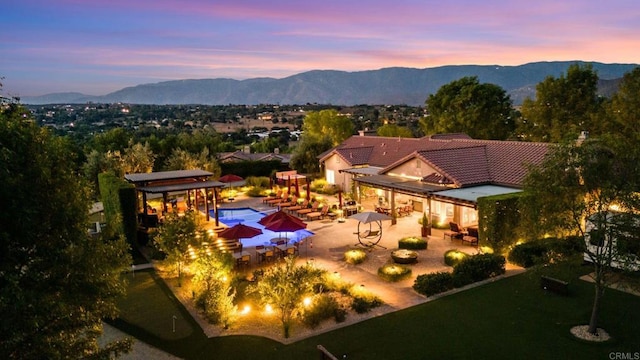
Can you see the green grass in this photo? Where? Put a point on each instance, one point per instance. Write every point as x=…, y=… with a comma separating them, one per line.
x=506, y=319
x=148, y=306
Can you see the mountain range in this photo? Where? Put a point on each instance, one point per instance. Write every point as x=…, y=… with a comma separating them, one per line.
x=388, y=86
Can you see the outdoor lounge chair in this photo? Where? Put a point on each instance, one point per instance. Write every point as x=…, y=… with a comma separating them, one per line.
x=284, y=204
x=318, y=214
x=454, y=232
x=471, y=237
x=296, y=207
x=313, y=208
x=276, y=196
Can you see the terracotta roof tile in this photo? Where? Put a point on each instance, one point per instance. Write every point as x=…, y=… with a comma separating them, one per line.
x=462, y=160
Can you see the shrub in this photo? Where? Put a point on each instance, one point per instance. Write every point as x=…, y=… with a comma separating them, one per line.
x=529, y=254
x=355, y=256
x=454, y=256
x=434, y=283
x=477, y=268
x=545, y=251
x=258, y=181
x=256, y=192
x=394, y=272
x=363, y=300
x=412, y=243
x=323, y=308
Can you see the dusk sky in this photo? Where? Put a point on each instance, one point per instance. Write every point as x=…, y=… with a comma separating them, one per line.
x=99, y=46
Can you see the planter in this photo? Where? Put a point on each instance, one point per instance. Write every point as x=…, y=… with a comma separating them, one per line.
x=426, y=231
x=403, y=256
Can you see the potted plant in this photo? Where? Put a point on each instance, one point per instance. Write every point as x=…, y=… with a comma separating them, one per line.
x=426, y=227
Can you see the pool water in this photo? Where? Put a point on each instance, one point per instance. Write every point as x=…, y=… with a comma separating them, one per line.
x=250, y=217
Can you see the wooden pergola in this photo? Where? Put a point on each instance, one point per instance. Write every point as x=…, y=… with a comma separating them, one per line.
x=165, y=182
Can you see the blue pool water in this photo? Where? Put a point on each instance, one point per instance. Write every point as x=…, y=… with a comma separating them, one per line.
x=250, y=217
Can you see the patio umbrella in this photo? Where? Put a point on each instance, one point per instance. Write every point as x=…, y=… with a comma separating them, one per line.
x=280, y=214
x=239, y=231
x=369, y=217
x=285, y=225
x=232, y=180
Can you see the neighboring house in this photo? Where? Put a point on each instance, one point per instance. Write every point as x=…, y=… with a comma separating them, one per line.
x=442, y=175
x=246, y=155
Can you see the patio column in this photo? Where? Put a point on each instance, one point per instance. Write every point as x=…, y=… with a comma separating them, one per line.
x=394, y=214
x=206, y=202
x=215, y=206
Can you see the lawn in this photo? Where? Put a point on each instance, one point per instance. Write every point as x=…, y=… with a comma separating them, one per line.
x=510, y=318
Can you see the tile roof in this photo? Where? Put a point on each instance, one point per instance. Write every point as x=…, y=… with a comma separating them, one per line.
x=462, y=160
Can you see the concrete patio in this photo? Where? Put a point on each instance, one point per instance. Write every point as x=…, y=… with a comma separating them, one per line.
x=332, y=238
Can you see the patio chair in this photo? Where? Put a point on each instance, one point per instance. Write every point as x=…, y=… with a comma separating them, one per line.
x=292, y=202
x=296, y=207
x=471, y=237
x=277, y=195
x=318, y=214
x=454, y=232
x=313, y=208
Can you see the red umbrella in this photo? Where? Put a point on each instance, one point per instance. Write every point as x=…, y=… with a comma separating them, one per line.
x=239, y=231
x=280, y=215
x=285, y=225
x=230, y=178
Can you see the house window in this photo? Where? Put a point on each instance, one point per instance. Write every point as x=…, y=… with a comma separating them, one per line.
x=331, y=176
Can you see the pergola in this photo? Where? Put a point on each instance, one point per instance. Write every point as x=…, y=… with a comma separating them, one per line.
x=165, y=182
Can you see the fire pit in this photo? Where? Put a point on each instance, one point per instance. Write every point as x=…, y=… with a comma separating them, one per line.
x=404, y=256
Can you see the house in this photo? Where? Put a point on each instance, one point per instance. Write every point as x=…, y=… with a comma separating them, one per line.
x=442, y=175
x=246, y=155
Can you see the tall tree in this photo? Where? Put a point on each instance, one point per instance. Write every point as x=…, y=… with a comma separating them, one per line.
x=584, y=182
x=184, y=160
x=482, y=111
x=176, y=235
x=285, y=286
x=327, y=123
x=305, y=156
x=138, y=158
x=624, y=108
x=57, y=284
x=563, y=107
x=392, y=130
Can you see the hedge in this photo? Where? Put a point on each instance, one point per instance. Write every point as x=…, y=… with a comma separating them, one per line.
x=119, y=200
x=434, y=283
x=499, y=223
x=544, y=251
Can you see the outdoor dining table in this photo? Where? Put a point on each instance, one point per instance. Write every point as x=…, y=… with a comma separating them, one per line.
x=240, y=254
x=260, y=253
x=279, y=239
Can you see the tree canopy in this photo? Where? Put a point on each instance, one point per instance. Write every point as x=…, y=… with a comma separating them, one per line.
x=482, y=111
x=327, y=123
x=57, y=283
x=563, y=107
x=586, y=181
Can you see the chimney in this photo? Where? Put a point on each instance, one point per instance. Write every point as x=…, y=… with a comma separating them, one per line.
x=246, y=149
x=276, y=151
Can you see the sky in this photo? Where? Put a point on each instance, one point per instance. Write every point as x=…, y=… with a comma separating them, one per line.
x=99, y=46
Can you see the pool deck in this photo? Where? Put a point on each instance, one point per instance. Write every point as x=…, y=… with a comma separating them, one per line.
x=331, y=239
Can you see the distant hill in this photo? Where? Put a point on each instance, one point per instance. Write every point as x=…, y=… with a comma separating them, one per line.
x=390, y=86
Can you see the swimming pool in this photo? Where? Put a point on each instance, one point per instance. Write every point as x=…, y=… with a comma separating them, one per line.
x=250, y=217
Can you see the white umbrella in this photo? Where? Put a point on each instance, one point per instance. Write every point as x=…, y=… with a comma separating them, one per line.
x=367, y=217
x=370, y=216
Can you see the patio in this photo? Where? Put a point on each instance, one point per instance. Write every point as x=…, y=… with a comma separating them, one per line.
x=326, y=249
